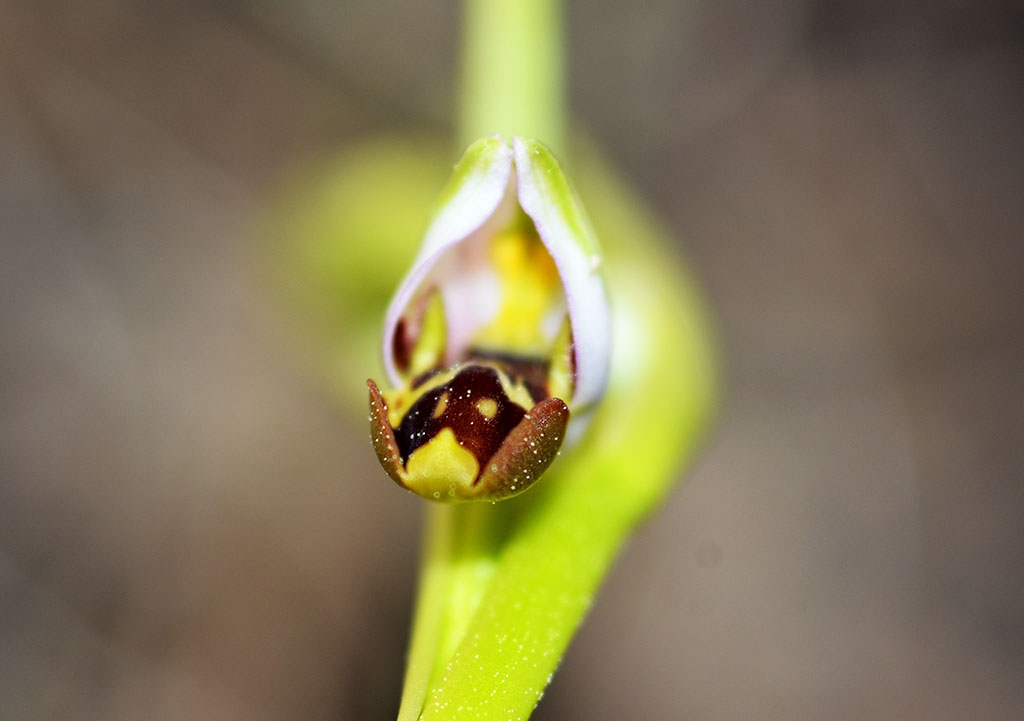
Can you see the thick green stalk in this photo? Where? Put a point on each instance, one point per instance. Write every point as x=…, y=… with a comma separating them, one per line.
x=512, y=71
x=462, y=545
x=435, y=573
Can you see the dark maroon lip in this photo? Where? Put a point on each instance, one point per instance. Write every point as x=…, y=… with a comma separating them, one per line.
x=461, y=396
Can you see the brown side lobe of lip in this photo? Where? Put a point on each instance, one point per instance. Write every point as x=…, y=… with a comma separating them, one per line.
x=383, y=436
x=526, y=452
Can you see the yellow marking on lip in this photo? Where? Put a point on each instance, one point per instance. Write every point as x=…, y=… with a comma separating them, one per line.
x=442, y=403
x=400, y=400
x=488, y=407
x=441, y=466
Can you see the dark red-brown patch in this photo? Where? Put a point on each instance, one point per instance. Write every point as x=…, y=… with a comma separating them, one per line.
x=408, y=329
x=402, y=345
x=480, y=435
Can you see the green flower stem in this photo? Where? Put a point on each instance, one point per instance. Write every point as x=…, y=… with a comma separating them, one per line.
x=477, y=532
x=512, y=84
x=462, y=544
x=435, y=572
x=512, y=79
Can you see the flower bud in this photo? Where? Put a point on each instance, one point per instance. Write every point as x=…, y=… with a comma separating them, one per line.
x=498, y=333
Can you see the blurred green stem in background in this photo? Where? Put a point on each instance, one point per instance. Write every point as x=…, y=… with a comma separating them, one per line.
x=504, y=587
x=512, y=71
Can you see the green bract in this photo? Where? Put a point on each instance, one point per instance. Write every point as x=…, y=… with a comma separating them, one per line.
x=498, y=334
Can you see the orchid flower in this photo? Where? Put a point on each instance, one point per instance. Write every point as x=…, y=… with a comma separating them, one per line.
x=504, y=586
x=499, y=333
x=501, y=352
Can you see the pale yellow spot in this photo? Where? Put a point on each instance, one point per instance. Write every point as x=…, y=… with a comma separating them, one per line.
x=442, y=403
x=488, y=407
x=441, y=464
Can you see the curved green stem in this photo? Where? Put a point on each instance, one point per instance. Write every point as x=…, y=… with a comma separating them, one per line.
x=462, y=544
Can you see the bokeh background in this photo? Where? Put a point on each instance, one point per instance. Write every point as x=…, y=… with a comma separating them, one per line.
x=192, y=527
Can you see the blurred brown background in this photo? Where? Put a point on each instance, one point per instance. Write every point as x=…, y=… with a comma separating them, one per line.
x=192, y=528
